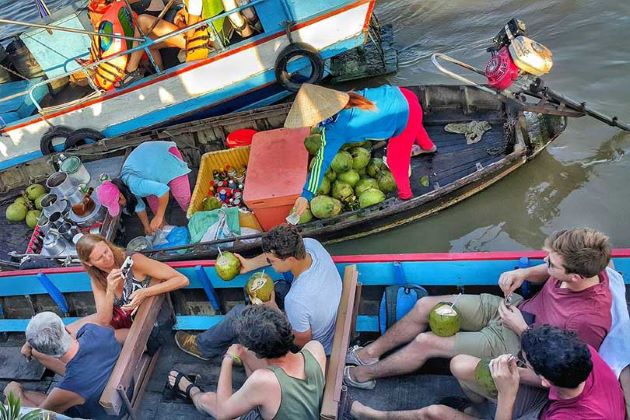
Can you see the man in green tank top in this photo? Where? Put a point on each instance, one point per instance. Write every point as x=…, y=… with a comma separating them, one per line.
x=290, y=386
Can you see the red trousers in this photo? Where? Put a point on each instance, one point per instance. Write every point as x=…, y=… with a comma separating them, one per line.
x=399, y=147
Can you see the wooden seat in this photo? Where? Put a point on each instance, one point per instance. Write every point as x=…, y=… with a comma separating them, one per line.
x=123, y=393
x=345, y=326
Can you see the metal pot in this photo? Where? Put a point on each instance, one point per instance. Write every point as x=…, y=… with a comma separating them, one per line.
x=51, y=203
x=62, y=185
x=54, y=244
x=96, y=215
x=68, y=230
x=56, y=220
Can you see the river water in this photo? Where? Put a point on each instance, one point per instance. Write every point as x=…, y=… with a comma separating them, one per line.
x=582, y=179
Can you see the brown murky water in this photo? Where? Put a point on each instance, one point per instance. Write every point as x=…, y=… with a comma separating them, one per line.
x=581, y=180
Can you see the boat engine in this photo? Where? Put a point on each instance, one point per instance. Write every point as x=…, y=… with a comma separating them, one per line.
x=514, y=55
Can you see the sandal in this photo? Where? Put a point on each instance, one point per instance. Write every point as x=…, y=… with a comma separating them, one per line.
x=417, y=150
x=175, y=387
x=130, y=78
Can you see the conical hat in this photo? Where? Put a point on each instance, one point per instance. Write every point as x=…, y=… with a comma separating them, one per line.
x=313, y=104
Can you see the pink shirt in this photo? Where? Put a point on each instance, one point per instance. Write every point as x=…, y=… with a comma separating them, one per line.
x=586, y=312
x=602, y=397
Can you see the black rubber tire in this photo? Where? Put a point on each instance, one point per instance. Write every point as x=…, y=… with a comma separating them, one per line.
x=293, y=51
x=79, y=137
x=46, y=145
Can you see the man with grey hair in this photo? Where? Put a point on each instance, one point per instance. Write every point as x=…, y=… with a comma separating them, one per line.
x=85, y=362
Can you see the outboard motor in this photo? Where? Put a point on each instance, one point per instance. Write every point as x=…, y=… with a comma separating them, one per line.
x=515, y=55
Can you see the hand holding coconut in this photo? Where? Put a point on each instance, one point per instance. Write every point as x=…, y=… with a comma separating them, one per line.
x=512, y=318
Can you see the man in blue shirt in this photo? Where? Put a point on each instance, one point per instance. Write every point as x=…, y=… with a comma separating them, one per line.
x=85, y=362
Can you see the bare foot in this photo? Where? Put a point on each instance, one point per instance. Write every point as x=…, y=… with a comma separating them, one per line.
x=362, y=412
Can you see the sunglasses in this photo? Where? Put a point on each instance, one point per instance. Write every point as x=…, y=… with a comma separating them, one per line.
x=549, y=263
x=520, y=360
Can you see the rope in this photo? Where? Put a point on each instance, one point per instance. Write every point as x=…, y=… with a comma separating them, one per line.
x=13, y=72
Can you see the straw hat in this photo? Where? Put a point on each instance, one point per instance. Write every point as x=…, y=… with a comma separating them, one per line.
x=313, y=104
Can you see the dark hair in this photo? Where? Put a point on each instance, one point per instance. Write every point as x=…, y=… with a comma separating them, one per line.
x=126, y=192
x=284, y=241
x=265, y=331
x=558, y=355
x=585, y=251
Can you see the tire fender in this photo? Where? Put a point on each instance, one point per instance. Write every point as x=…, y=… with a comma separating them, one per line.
x=82, y=136
x=296, y=50
x=45, y=144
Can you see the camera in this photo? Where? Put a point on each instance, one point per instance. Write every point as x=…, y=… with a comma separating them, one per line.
x=126, y=266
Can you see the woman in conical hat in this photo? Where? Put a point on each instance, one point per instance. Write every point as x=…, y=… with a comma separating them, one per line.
x=386, y=112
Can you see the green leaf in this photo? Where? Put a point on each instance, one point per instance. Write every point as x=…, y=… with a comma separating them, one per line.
x=424, y=181
x=35, y=415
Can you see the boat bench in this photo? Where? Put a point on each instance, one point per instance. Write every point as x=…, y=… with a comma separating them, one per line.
x=123, y=393
x=345, y=326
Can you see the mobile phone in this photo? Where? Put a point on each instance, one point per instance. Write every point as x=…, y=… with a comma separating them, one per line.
x=126, y=266
x=528, y=317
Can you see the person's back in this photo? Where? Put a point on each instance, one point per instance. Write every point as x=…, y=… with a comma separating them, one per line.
x=314, y=297
x=89, y=370
x=601, y=398
x=301, y=398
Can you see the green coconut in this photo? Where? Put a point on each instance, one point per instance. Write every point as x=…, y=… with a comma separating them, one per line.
x=444, y=320
x=331, y=175
x=375, y=166
x=342, y=162
x=370, y=197
x=16, y=212
x=259, y=287
x=211, y=203
x=342, y=190
x=362, y=172
x=32, y=217
x=324, y=207
x=227, y=266
x=35, y=190
x=23, y=200
x=324, y=187
x=360, y=157
x=38, y=202
x=365, y=184
x=313, y=143
x=350, y=177
x=386, y=182
x=484, y=378
x=306, y=217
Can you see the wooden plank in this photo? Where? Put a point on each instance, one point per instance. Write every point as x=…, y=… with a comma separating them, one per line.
x=15, y=367
x=132, y=350
x=334, y=376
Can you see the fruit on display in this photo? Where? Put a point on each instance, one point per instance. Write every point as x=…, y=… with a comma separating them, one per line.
x=32, y=217
x=211, y=203
x=16, y=212
x=313, y=143
x=324, y=187
x=484, y=378
x=324, y=207
x=365, y=184
x=38, y=202
x=386, y=182
x=259, y=287
x=35, y=190
x=375, y=166
x=342, y=162
x=371, y=197
x=23, y=200
x=350, y=177
x=342, y=190
x=227, y=266
x=360, y=157
x=331, y=175
x=444, y=320
x=306, y=217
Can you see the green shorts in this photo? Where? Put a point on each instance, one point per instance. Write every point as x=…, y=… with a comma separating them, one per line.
x=482, y=333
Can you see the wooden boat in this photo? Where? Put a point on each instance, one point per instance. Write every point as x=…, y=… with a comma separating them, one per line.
x=203, y=303
x=457, y=171
x=240, y=74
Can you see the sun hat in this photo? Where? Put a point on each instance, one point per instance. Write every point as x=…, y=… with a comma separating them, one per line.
x=313, y=104
x=108, y=195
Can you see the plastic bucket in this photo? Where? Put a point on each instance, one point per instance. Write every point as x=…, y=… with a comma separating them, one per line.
x=239, y=138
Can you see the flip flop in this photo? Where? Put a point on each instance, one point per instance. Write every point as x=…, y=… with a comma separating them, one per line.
x=417, y=150
x=175, y=387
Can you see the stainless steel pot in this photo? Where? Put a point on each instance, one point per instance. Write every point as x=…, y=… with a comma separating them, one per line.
x=54, y=244
x=68, y=230
x=52, y=203
x=62, y=185
x=96, y=215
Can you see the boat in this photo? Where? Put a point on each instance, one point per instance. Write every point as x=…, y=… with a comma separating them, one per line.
x=292, y=44
x=203, y=303
x=457, y=171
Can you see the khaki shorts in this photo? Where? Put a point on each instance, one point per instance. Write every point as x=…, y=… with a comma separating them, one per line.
x=482, y=333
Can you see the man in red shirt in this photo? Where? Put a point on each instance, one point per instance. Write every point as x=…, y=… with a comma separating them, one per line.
x=575, y=296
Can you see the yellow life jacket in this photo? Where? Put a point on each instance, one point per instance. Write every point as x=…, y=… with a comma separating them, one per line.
x=198, y=45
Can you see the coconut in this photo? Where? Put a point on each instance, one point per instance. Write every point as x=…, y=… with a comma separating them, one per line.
x=360, y=157
x=370, y=197
x=32, y=217
x=35, y=190
x=38, y=202
x=484, y=378
x=323, y=206
x=211, y=203
x=16, y=212
x=331, y=175
x=342, y=162
x=342, y=190
x=259, y=287
x=444, y=320
x=313, y=143
x=24, y=201
x=324, y=187
x=365, y=184
x=350, y=177
x=375, y=166
x=386, y=182
x=306, y=217
x=227, y=266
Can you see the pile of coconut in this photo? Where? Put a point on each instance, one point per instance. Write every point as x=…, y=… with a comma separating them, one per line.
x=27, y=207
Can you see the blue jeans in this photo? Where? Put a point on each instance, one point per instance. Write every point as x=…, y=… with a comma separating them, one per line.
x=216, y=340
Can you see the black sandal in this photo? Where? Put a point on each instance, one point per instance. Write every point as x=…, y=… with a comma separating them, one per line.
x=175, y=387
x=130, y=78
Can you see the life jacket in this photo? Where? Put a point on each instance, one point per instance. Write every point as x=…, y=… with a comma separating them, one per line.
x=198, y=45
x=116, y=19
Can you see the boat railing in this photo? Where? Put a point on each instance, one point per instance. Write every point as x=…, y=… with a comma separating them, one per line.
x=148, y=42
